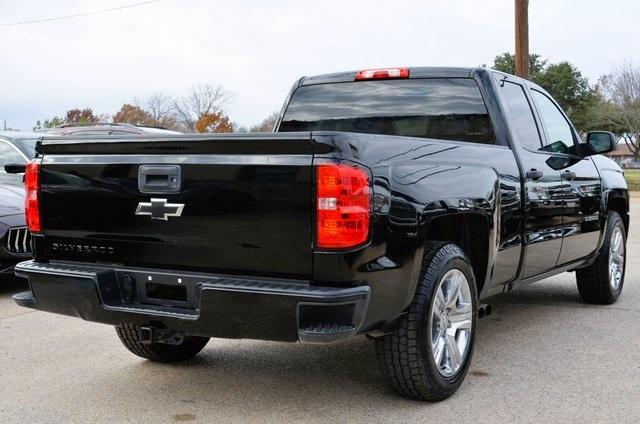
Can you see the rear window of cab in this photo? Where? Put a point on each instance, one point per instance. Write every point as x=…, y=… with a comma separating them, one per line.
x=440, y=108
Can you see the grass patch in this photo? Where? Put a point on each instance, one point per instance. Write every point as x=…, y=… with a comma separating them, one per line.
x=633, y=179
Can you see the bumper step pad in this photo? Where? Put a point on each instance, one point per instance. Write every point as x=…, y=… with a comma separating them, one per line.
x=25, y=299
x=324, y=333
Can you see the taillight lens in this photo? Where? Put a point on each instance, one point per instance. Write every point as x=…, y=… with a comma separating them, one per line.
x=387, y=73
x=343, y=205
x=31, y=206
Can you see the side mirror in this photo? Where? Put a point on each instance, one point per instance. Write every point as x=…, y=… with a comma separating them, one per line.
x=14, y=168
x=601, y=142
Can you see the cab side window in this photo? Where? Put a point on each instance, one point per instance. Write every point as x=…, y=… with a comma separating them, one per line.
x=9, y=155
x=524, y=123
x=559, y=134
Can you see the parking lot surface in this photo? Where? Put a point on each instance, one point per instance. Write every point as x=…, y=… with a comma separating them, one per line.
x=542, y=356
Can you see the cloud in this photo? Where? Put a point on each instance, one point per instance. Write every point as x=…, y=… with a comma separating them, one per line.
x=258, y=49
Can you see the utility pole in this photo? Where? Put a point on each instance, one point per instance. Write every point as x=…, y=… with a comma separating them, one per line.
x=522, y=38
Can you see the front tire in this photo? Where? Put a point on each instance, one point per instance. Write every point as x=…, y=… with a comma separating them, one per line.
x=427, y=355
x=159, y=352
x=602, y=281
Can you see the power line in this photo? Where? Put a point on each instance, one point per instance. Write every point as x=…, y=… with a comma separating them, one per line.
x=78, y=15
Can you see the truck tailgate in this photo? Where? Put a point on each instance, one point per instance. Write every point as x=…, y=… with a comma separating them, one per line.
x=242, y=204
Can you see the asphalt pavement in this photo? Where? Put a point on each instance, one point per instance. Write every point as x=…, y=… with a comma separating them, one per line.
x=542, y=356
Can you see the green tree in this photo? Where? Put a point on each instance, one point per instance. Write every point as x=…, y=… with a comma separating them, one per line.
x=48, y=123
x=567, y=85
x=562, y=80
x=506, y=62
x=75, y=116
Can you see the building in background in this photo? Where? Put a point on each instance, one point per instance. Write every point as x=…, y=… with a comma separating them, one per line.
x=624, y=157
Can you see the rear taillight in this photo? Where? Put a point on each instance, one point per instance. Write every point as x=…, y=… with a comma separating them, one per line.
x=387, y=73
x=31, y=207
x=343, y=205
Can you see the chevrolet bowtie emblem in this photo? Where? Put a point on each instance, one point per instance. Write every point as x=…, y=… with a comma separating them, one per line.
x=159, y=209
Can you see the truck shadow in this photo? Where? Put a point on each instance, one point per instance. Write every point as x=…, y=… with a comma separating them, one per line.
x=275, y=377
x=549, y=294
x=251, y=380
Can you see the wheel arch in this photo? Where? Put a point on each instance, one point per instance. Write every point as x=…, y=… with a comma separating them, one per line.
x=619, y=203
x=470, y=232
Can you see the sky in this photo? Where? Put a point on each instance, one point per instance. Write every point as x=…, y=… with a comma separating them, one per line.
x=257, y=49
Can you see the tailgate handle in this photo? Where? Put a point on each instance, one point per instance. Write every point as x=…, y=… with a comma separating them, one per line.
x=159, y=179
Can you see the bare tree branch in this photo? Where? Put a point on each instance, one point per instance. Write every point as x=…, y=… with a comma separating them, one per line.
x=622, y=94
x=202, y=100
x=161, y=109
x=266, y=125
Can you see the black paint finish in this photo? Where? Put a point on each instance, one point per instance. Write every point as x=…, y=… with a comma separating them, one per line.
x=250, y=214
x=249, y=207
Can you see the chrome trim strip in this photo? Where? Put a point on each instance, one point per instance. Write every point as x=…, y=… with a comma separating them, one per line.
x=18, y=240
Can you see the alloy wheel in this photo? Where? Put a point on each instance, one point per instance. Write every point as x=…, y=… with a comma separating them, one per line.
x=616, y=259
x=451, y=322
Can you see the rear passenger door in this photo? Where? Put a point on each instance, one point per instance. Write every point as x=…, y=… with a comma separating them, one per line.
x=542, y=185
x=581, y=187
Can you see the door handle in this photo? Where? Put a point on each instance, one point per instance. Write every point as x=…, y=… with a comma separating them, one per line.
x=569, y=175
x=159, y=179
x=534, y=174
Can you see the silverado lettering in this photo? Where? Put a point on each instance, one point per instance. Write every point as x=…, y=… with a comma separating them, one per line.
x=82, y=248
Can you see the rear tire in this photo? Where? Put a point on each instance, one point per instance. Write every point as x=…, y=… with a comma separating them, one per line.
x=433, y=328
x=602, y=281
x=159, y=352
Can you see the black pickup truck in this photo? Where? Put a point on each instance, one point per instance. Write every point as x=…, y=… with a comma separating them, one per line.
x=387, y=202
